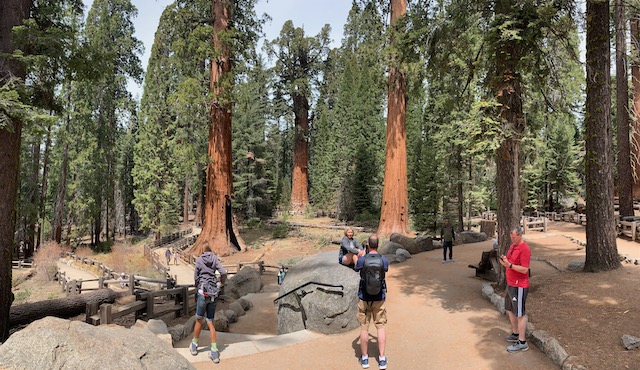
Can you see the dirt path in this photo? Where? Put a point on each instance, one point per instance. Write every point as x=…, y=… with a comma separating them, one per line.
x=72, y=272
x=438, y=319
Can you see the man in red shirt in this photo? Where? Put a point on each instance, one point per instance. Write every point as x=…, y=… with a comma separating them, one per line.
x=516, y=263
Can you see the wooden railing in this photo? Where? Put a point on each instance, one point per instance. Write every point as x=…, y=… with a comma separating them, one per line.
x=22, y=264
x=171, y=237
x=534, y=224
x=145, y=306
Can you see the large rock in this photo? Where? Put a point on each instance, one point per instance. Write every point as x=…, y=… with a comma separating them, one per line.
x=327, y=310
x=388, y=247
x=468, y=237
x=402, y=255
x=407, y=243
x=53, y=343
x=425, y=243
x=244, y=282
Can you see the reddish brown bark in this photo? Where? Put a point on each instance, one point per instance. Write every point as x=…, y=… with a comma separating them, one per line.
x=217, y=229
x=300, y=178
x=395, y=198
x=60, y=199
x=625, y=177
x=185, y=204
x=635, y=110
x=12, y=13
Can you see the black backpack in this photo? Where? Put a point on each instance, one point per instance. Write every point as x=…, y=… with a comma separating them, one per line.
x=372, y=275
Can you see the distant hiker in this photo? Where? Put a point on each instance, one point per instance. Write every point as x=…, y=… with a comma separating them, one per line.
x=208, y=289
x=123, y=280
x=371, y=305
x=448, y=236
x=167, y=254
x=516, y=263
x=176, y=257
x=281, y=274
x=350, y=249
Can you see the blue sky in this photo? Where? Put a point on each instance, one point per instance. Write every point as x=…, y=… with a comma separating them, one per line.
x=310, y=14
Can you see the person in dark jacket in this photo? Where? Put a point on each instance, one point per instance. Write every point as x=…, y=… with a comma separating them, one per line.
x=448, y=236
x=208, y=288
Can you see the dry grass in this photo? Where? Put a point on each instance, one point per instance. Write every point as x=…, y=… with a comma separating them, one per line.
x=46, y=259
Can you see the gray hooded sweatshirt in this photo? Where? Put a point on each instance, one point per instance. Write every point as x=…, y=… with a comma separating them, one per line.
x=205, y=272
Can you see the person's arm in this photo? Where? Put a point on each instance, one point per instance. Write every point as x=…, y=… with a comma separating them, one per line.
x=359, y=264
x=347, y=245
x=222, y=271
x=196, y=274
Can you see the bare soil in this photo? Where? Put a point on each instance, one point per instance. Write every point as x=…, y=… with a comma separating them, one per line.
x=587, y=313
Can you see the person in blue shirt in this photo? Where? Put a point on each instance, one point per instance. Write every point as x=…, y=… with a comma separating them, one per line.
x=372, y=307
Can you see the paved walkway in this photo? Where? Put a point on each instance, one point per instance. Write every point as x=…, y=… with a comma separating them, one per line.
x=438, y=319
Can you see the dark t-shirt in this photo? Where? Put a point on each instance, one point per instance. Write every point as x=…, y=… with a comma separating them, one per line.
x=361, y=293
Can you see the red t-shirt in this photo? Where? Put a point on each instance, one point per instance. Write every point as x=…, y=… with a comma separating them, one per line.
x=518, y=255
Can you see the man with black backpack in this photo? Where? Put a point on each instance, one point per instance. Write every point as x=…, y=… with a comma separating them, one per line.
x=372, y=294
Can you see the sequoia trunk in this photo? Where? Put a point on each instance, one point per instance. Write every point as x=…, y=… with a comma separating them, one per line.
x=217, y=229
x=395, y=197
x=300, y=178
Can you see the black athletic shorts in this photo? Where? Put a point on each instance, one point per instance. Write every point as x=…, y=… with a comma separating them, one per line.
x=515, y=299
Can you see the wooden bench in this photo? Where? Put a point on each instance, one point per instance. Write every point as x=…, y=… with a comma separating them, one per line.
x=488, y=267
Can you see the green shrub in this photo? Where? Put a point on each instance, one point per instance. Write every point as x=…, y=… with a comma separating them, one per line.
x=22, y=295
x=281, y=230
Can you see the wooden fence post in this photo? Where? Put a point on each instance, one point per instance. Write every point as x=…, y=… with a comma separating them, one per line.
x=105, y=314
x=131, y=283
x=185, y=301
x=90, y=310
x=150, y=302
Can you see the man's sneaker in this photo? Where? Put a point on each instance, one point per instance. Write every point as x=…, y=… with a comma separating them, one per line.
x=364, y=361
x=382, y=363
x=451, y=260
x=444, y=261
x=193, y=348
x=214, y=356
x=518, y=347
x=511, y=337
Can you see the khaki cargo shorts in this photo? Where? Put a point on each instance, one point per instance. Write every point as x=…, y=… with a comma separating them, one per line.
x=375, y=311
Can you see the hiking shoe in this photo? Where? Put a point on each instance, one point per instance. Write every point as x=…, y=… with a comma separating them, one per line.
x=518, y=347
x=364, y=362
x=511, y=337
x=214, y=356
x=193, y=348
x=382, y=363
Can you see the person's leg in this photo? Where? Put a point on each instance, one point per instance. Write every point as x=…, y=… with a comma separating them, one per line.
x=514, y=322
x=382, y=341
x=522, y=328
x=444, y=251
x=364, y=341
x=200, y=313
x=349, y=259
x=451, y=251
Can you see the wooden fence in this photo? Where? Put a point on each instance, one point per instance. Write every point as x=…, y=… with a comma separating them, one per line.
x=22, y=264
x=171, y=237
x=146, y=306
x=534, y=224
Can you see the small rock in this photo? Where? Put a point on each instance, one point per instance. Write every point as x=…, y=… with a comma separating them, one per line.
x=575, y=266
x=630, y=342
x=231, y=316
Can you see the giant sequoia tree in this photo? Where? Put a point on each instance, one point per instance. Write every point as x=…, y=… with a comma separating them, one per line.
x=217, y=229
x=394, y=216
x=602, y=252
x=298, y=62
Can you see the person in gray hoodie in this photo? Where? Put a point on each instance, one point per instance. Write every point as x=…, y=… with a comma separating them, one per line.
x=208, y=288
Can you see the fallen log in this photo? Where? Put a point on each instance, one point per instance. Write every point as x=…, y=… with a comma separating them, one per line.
x=71, y=306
